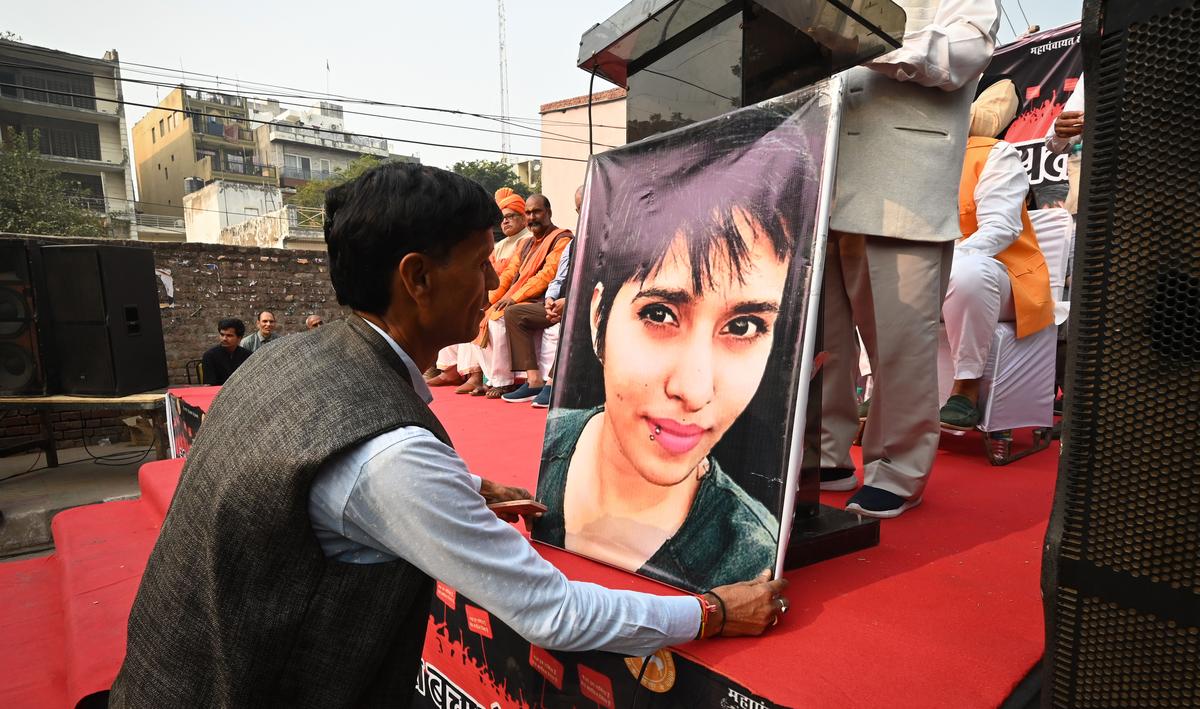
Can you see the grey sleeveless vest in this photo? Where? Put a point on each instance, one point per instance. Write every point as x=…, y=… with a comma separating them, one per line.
x=238, y=606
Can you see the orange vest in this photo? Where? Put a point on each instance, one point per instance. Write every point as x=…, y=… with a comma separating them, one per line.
x=1026, y=265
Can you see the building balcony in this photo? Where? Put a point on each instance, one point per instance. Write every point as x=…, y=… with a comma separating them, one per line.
x=298, y=174
x=345, y=142
x=222, y=133
x=248, y=171
x=160, y=223
x=224, y=100
x=27, y=102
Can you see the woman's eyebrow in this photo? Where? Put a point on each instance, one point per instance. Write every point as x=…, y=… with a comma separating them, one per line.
x=674, y=296
x=756, y=306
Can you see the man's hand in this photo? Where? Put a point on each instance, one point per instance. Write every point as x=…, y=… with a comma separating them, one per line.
x=554, y=310
x=1068, y=124
x=751, y=606
x=494, y=492
x=503, y=303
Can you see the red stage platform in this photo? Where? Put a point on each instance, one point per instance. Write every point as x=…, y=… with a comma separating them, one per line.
x=946, y=612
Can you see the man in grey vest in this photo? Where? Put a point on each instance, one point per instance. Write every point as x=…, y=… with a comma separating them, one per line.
x=299, y=573
x=893, y=227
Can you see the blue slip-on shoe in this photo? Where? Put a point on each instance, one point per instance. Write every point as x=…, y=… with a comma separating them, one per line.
x=874, y=502
x=543, y=398
x=522, y=393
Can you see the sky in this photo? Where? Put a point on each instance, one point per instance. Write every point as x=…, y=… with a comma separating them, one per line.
x=442, y=54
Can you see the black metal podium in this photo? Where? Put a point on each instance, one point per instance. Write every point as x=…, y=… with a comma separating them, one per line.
x=684, y=61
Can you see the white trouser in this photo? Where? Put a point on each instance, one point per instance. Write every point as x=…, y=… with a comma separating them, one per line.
x=547, y=347
x=461, y=357
x=978, y=297
x=496, y=359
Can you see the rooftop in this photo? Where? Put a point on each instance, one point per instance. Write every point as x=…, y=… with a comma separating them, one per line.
x=564, y=104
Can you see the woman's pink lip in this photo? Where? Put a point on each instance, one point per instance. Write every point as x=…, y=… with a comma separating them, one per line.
x=676, y=438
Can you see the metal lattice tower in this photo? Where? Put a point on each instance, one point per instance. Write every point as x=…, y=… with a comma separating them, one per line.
x=505, y=139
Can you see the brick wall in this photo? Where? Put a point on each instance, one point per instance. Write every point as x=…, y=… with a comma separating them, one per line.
x=198, y=284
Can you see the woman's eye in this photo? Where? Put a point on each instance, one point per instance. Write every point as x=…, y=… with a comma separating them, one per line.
x=746, y=326
x=657, y=313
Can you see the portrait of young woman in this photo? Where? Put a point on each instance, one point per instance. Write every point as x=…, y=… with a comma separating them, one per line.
x=666, y=447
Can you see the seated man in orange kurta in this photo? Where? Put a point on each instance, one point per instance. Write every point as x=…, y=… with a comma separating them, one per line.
x=999, y=273
x=524, y=280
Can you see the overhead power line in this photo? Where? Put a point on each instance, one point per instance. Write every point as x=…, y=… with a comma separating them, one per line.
x=556, y=137
x=310, y=94
x=315, y=129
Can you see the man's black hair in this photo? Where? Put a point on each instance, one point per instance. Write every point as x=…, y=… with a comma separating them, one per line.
x=544, y=199
x=390, y=211
x=232, y=323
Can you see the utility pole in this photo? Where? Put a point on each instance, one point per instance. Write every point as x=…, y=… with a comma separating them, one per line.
x=505, y=140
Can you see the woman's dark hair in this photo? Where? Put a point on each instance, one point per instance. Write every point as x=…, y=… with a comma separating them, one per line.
x=390, y=211
x=232, y=323
x=753, y=167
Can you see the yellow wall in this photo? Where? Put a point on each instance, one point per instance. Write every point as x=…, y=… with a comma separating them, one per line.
x=164, y=162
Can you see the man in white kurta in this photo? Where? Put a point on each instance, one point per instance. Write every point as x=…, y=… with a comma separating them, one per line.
x=893, y=227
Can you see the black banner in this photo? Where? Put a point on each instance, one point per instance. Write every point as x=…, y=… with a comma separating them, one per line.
x=1045, y=68
x=473, y=661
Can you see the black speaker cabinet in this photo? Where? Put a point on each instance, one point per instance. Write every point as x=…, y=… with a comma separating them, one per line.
x=23, y=327
x=103, y=301
x=1121, y=573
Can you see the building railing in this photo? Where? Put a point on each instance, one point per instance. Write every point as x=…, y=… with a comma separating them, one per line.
x=311, y=218
x=222, y=99
x=299, y=173
x=212, y=169
x=158, y=221
x=305, y=134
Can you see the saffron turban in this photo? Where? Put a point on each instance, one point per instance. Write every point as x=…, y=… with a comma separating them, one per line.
x=994, y=109
x=507, y=199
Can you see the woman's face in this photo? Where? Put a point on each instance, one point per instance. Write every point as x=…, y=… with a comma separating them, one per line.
x=680, y=367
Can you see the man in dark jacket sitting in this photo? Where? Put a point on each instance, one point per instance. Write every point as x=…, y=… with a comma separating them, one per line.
x=299, y=572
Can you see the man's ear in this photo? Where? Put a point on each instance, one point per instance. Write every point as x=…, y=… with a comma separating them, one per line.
x=413, y=277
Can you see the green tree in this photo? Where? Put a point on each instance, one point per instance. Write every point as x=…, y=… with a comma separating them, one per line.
x=493, y=175
x=34, y=197
x=312, y=193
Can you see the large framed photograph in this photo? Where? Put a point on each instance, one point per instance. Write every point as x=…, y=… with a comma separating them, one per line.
x=668, y=441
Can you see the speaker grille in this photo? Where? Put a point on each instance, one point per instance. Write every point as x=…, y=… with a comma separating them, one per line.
x=1124, y=557
x=1137, y=375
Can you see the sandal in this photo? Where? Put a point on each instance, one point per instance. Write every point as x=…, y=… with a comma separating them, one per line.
x=497, y=392
x=475, y=381
x=480, y=390
x=444, y=380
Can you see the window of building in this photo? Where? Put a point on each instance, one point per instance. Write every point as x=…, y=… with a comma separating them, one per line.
x=161, y=129
x=166, y=173
x=69, y=139
x=84, y=185
x=153, y=138
x=32, y=84
x=251, y=211
x=324, y=166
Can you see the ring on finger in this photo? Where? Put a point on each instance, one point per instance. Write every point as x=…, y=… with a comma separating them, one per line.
x=783, y=604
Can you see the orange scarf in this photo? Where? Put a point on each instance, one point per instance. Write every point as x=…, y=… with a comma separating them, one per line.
x=531, y=263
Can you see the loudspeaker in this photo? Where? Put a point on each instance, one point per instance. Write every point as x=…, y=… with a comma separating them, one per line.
x=103, y=301
x=1121, y=571
x=23, y=329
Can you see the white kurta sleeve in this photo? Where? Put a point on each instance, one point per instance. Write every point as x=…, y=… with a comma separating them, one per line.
x=999, y=196
x=1074, y=103
x=948, y=52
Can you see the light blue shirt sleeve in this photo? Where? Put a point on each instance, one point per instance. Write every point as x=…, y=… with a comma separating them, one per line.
x=406, y=494
x=554, y=290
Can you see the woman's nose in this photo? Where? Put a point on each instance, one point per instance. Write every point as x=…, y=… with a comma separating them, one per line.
x=691, y=378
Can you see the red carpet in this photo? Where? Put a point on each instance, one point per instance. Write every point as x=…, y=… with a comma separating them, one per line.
x=946, y=612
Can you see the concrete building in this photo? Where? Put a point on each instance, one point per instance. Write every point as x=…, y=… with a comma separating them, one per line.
x=569, y=118
x=80, y=132
x=222, y=204
x=193, y=134
x=308, y=143
x=240, y=214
